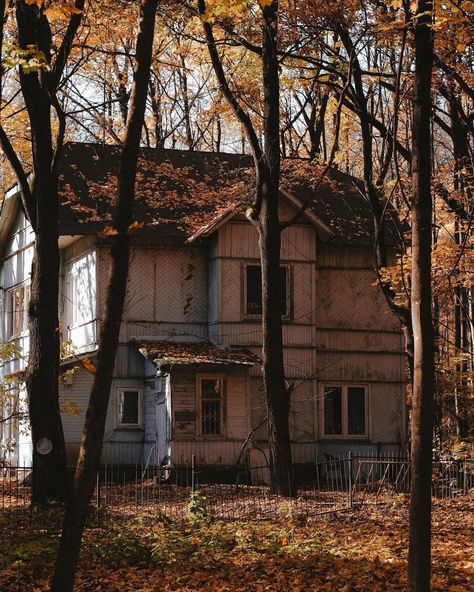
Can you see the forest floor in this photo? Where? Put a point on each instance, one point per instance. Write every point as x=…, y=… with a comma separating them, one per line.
x=362, y=550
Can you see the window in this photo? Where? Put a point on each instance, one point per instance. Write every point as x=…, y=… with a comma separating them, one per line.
x=210, y=391
x=345, y=412
x=129, y=407
x=253, y=291
x=17, y=299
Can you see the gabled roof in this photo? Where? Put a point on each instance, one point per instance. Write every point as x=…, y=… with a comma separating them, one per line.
x=167, y=353
x=187, y=194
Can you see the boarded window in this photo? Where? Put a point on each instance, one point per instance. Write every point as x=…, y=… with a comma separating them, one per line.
x=253, y=282
x=345, y=411
x=211, y=395
x=129, y=412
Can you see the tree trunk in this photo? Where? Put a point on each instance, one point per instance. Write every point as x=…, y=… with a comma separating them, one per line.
x=49, y=480
x=419, y=556
x=276, y=392
x=91, y=446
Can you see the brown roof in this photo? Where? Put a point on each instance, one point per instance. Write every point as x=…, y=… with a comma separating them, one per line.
x=175, y=353
x=183, y=191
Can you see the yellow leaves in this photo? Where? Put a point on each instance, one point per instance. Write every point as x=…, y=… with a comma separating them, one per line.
x=62, y=12
x=228, y=9
x=396, y=4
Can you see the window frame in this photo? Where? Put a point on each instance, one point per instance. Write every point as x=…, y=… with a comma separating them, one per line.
x=288, y=284
x=118, y=392
x=210, y=376
x=344, y=386
x=25, y=288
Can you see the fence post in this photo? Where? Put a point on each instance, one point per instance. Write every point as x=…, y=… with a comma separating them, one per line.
x=350, y=480
x=97, y=497
x=193, y=473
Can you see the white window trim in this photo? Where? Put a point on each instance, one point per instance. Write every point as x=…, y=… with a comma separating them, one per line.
x=210, y=376
x=9, y=333
x=344, y=386
x=251, y=316
x=118, y=392
x=71, y=275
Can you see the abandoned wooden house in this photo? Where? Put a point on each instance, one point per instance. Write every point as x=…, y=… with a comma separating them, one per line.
x=187, y=377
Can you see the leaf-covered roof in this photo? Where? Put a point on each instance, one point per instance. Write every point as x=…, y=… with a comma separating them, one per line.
x=179, y=192
x=171, y=353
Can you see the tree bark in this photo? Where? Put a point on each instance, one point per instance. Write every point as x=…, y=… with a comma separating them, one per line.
x=92, y=439
x=419, y=555
x=264, y=215
x=49, y=481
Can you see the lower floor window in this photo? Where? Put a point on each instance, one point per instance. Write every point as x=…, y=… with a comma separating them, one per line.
x=210, y=394
x=345, y=411
x=129, y=407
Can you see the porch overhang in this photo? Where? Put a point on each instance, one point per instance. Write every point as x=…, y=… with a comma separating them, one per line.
x=171, y=353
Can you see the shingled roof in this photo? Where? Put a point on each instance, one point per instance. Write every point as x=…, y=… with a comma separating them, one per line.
x=179, y=192
x=166, y=353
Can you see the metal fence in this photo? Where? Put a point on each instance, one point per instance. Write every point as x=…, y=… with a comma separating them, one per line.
x=229, y=492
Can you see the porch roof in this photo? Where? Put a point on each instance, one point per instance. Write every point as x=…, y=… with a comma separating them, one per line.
x=167, y=353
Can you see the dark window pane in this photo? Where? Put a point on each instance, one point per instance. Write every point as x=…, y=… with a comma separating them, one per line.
x=211, y=417
x=254, y=290
x=356, y=411
x=333, y=411
x=210, y=388
x=283, y=301
x=129, y=407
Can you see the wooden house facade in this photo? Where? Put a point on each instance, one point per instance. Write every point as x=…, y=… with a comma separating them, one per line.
x=187, y=377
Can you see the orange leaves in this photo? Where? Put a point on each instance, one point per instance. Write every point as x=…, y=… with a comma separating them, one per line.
x=89, y=365
x=61, y=10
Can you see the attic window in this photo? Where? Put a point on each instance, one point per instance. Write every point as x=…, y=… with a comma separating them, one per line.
x=253, y=291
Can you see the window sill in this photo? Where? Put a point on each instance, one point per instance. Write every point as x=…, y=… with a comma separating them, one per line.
x=129, y=428
x=345, y=439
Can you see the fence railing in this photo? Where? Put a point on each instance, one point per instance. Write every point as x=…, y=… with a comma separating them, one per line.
x=230, y=492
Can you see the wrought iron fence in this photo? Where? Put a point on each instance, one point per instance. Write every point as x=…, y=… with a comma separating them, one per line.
x=229, y=492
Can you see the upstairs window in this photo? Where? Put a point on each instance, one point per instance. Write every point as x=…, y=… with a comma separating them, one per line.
x=16, y=303
x=211, y=403
x=345, y=412
x=129, y=408
x=253, y=291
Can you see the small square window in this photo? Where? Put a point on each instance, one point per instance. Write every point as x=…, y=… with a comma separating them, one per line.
x=253, y=291
x=129, y=408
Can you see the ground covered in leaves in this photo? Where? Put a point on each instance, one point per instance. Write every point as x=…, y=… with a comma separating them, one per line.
x=347, y=552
